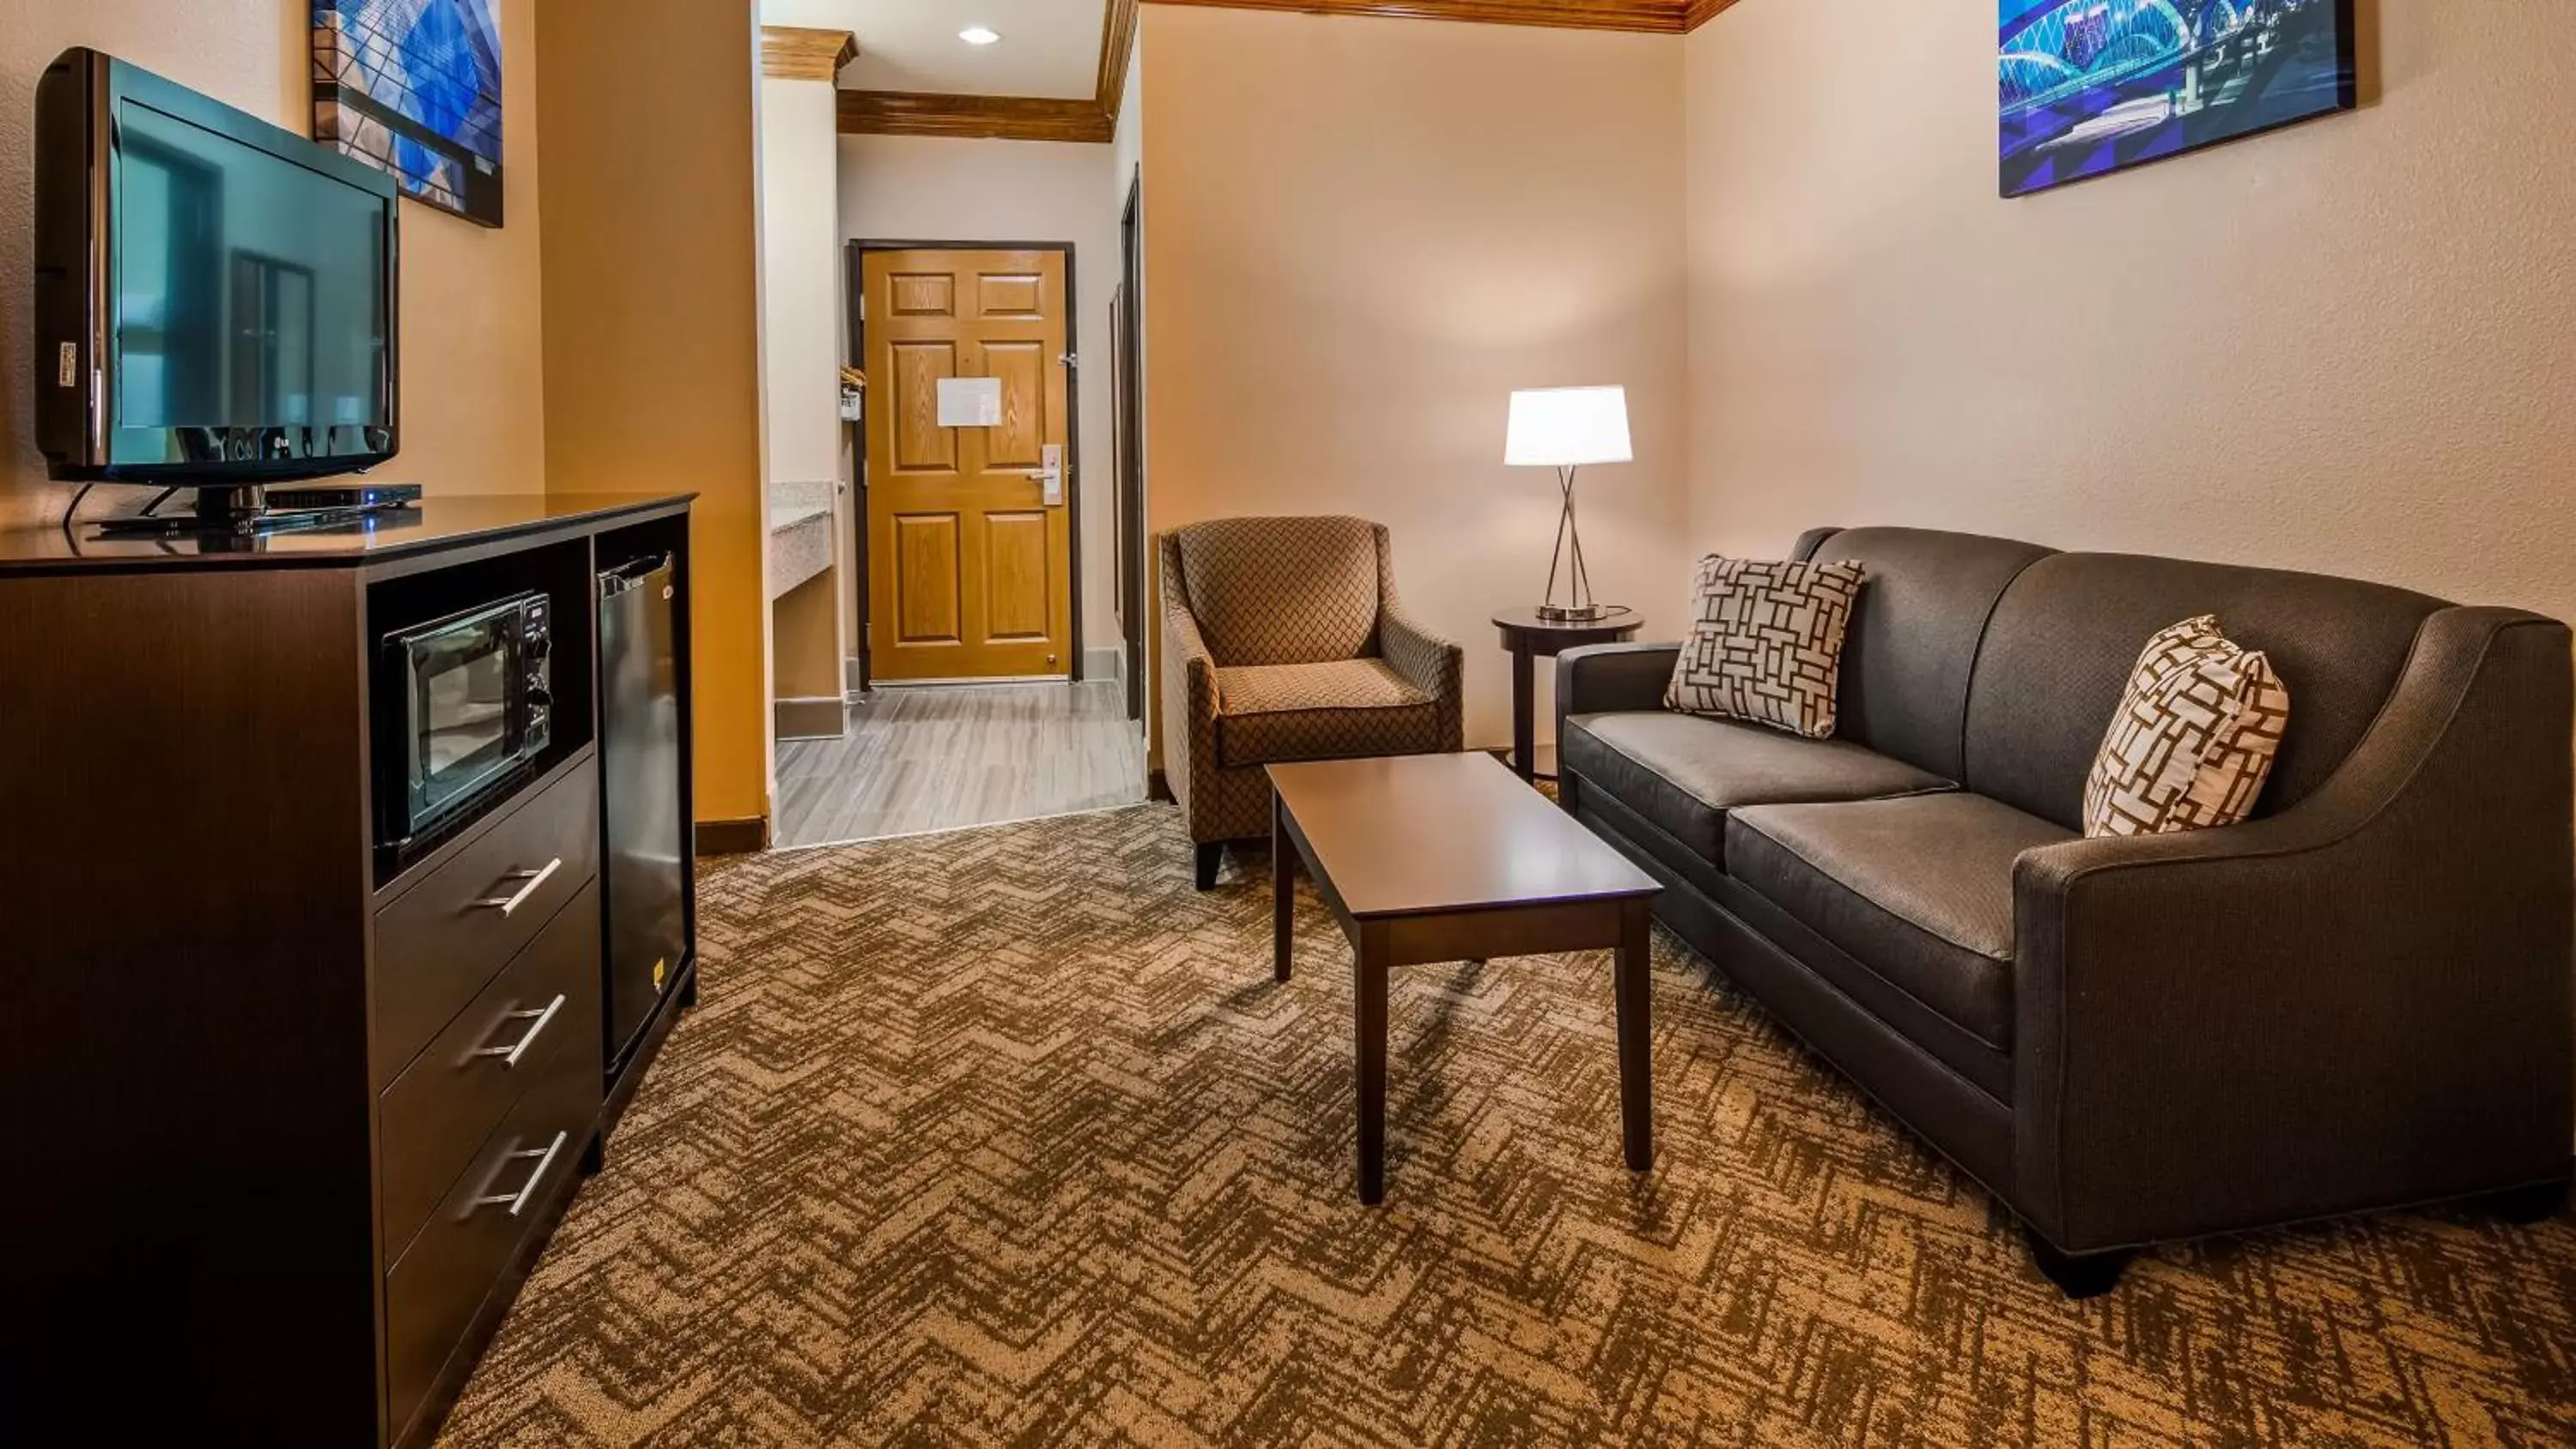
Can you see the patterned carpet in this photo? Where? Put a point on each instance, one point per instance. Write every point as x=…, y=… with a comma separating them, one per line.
x=1006, y=1137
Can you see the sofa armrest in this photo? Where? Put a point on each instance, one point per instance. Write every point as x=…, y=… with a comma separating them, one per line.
x=2361, y=1002
x=1190, y=698
x=1429, y=663
x=1612, y=678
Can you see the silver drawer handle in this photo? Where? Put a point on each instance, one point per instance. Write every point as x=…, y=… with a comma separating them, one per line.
x=510, y=1055
x=534, y=880
x=518, y=1201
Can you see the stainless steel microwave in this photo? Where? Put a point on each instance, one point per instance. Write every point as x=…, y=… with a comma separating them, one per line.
x=470, y=701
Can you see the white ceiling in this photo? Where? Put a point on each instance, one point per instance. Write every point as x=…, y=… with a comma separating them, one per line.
x=1048, y=47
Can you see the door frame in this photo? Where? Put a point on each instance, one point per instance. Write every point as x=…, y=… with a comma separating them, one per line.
x=1077, y=479
x=1127, y=364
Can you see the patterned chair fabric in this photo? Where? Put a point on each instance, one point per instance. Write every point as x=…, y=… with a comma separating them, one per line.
x=1339, y=710
x=1283, y=590
x=1284, y=640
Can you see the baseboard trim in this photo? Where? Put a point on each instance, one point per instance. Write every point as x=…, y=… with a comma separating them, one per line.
x=733, y=837
x=1157, y=787
x=819, y=718
x=1110, y=664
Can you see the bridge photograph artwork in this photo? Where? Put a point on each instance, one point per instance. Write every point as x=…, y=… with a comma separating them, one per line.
x=2091, y=86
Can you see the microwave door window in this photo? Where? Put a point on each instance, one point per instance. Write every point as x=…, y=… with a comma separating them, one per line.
x=464, y=721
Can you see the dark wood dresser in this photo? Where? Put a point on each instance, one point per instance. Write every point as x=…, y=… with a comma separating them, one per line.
x=290, y=1114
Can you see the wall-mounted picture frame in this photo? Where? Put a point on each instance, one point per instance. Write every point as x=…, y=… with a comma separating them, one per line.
x=413, y=87
x=2088, y=87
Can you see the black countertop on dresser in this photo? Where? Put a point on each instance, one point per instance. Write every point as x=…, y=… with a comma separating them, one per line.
x=436, y=524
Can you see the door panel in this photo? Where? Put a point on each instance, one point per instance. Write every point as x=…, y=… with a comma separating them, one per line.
x=927, y=562
x=924, y=294
x=1010, y=296
x=920, y=444
x=1017, y=577
x=1026, y=428
x=971, y=567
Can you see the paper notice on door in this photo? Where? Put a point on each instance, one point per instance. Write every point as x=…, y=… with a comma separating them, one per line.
x=970, y=402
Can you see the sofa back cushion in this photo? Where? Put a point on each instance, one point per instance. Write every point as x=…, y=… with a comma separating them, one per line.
x=1282, y=590
x=1913, y=637
x=2065, y=636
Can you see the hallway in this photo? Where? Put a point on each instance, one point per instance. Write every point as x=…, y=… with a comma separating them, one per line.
x=944, y=757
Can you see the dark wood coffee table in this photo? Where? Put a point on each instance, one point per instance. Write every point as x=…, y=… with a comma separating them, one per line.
x=1449, y=858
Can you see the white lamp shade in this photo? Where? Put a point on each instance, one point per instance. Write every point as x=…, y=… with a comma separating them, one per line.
x=1560, y=427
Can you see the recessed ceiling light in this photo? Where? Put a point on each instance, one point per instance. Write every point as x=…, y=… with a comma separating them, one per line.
x=979, y=35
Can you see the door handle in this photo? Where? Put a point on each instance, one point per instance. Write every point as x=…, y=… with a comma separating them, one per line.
x=1049, y=476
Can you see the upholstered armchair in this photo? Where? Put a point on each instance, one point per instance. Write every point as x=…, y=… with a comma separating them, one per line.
x=1282, y=641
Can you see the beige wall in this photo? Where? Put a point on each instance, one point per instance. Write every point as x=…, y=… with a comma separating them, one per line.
x=2347, y=347
x=473, y=398
x=800, y=280
x=1363, y=234
x=801, y=349
x=651, y=321
x=928, y=188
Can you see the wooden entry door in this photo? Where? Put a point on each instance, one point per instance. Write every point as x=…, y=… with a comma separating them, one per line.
x=970, y=554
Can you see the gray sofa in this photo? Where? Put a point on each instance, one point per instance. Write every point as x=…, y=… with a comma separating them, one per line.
x=2359, y=999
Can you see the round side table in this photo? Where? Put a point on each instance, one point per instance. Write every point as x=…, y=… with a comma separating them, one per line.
x=1528, y=637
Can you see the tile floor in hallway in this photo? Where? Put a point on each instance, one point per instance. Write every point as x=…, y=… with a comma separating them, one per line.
x=921, y=758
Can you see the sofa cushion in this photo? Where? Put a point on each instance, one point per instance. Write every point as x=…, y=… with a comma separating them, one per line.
x=1913, y=638
x=2065, y=638
x=1282, y=590
x=1344, y=709
x=1919, y=890
x=1683, y=773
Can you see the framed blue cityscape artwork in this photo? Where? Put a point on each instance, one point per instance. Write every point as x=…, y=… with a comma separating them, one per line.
x=2092, y=86
x=414, y=87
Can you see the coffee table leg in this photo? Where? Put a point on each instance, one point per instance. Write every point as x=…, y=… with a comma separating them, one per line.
x=1371, y=1022
x=1283, y=889
x=1635, y=991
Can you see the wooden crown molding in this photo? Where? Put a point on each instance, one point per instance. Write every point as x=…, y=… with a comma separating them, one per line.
x=1117, y=43
x=1047, y=118
x=1006, y=118
x=1651, y=17
x=794, y=52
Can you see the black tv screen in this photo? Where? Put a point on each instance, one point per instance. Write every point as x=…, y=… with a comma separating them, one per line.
x=217, y=295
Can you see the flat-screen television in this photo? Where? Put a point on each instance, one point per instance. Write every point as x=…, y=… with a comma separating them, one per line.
x=215, y=296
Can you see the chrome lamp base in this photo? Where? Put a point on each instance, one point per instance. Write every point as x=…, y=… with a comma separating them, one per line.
x=1567, y=558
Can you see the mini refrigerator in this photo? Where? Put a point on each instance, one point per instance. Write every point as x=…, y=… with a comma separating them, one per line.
x=640, y=779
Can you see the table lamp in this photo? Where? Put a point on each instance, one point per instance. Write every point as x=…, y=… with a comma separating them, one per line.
x=1564, y=428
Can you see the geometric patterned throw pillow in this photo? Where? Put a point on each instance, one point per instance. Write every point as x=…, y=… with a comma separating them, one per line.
x=2194, y=738
x=1766, y=643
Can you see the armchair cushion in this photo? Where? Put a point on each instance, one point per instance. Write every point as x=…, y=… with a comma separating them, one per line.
x=1684, y=772
x=1343, y=709
x=1282, y=590
x=1917, y=890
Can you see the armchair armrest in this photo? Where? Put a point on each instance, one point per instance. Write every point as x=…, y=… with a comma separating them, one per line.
x=1429, y=663
x=2361, y=1002
x=1613, y=678
x=1189, y=689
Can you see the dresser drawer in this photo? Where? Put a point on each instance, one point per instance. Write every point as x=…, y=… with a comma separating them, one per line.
x=463, y=1252
x=541, y=1009
x=442, y=940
